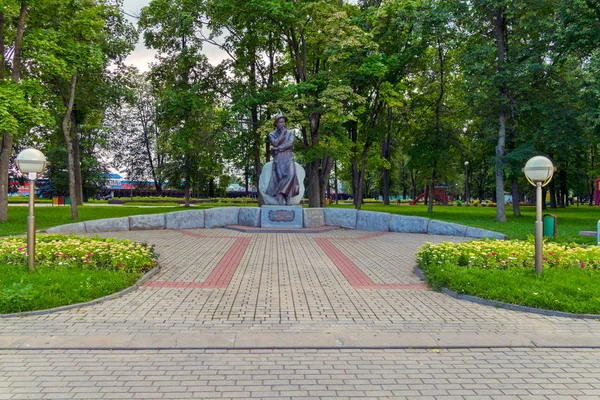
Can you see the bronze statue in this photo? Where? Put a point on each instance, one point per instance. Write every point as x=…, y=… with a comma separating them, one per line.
x=284, y=181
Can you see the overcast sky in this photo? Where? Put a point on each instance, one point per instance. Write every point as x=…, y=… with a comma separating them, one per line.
x=142, y=56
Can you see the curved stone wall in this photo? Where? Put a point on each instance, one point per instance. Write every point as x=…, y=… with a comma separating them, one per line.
x=250, y=216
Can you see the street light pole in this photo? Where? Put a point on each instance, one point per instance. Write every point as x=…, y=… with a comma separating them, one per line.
x=538, y=171
x=539, y=227
x=31, y=223
x=31, y=162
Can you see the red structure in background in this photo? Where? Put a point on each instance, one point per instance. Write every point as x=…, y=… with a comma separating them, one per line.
x=440, y=194
x=597, y=193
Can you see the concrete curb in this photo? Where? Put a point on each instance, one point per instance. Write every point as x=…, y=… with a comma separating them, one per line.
x=291, y=341
x=113, y=296
x=507, y=306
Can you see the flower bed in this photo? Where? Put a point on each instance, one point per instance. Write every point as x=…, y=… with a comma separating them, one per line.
x=69, y=270
x=505, y=271
x=55, y=251
x=508, y=254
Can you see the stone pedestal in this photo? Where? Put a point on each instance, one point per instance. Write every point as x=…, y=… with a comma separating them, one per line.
x=265, y=178
x=281, y=217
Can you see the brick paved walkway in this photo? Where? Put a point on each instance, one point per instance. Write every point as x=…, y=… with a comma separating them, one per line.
x=193, y=330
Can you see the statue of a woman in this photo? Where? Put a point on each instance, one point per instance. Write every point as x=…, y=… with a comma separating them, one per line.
x=284, y=182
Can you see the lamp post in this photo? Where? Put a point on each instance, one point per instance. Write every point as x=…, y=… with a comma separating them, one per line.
x=466, y=182
x=538, y=171
x=31, y=162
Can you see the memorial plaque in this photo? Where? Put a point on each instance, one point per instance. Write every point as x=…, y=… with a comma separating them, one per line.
x=282, y=215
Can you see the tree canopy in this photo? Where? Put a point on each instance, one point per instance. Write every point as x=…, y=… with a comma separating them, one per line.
x=397, y=94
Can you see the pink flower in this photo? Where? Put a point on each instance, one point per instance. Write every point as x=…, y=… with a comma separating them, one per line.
x=20, y=248
x=487, y=255
x=120, y=265
x=549, y=253
x=493, y=253
x=90, y=254
x=582, y=265
x=544, y=258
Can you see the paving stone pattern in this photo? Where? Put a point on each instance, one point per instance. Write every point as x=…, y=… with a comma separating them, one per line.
x=336, y=314
x=442, y=374
x=287, y=283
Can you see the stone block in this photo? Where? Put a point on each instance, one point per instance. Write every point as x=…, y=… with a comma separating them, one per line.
x=221, y=216
x=146, y=222
x=249, y=216
x=446, y=228
x=68, y=229
x=107, y=225
x=281, y=217
x=407, y=224
x=478, y=233
x=265, y=178
x=190, y=219
x=343, y=217
x=373, y=221
x=313, y=217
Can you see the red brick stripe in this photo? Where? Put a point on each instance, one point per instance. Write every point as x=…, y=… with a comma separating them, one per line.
x=201, y=236
x=220, y=276
x=350, y=271
x=223, y=272
x=357, y=278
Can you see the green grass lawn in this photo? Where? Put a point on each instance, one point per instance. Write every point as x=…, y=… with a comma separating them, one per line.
x=570, y=220
x=573, y=290
x=45, y=288
x=47, y=217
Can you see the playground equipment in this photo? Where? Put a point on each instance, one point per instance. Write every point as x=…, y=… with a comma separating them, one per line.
x=597, y=193
x=440, y=194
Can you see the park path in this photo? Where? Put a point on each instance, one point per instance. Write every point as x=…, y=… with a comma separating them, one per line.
x=335, y=314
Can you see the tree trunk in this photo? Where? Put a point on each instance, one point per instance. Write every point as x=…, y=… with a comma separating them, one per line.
x=552, y=191
x=5, y=152
x=257, y=145
x=516, y=204
x=432, y=190
x=66, y=127
x=361, y=179
x=501, y=49
x=337, y=193
x=564, y=192
x=314, y=183
x=544, y=191
x=385, y=153
x=2, y=61
x=186, y=191
x=324, y=173
x=77, y=158
x=16, y=70
x=7, y=139
x=413, y=184
x=146, y=132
